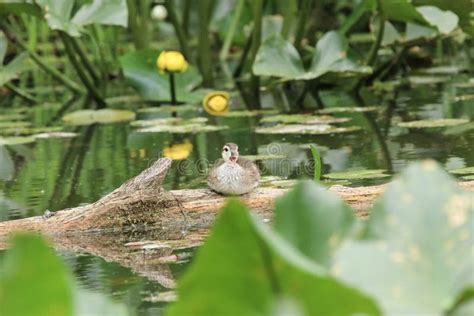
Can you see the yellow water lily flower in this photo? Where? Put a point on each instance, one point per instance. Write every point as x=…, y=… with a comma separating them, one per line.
x=216, y=103
x=171, y=61
x=178, y=151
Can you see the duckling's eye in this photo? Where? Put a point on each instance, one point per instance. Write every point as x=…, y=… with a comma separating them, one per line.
x=226, y=149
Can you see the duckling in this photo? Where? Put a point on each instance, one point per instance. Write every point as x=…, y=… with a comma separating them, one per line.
x=233, y=175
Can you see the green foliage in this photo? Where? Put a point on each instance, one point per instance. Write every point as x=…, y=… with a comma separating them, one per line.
x=421, y=260
x=59, y=14
x=246, y=269
x=34, y=281
x=279, y=58
x=302, y=218
x=104, y=116
x=15, y=67
x=414, y=257
x=140, y=70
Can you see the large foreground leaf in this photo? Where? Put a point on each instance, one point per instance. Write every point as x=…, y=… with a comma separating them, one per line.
x=313, y=220
x=245, y=269
x=33, y=280
x=422, y=260
x=140, y=69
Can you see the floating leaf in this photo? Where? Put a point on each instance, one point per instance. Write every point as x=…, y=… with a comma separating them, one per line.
x=468, y=178
x=246, y=113
x=14, y=124
x=303, y=119
x=30, y=130
x=139, y=68
x=15, y=140
x=182, y=129
x=419, y=259
x=104, y=116
x=443, y=70
x=170, y=109
x=433, y=123
x=244, y=278
x=12, y=117
x=318, y=129
x=462, y=171
x=313, y=220
x=358, y=174
x=54, y=135
x=168, y=121
x=348, y=109
x=263, y=157
x=425, y=80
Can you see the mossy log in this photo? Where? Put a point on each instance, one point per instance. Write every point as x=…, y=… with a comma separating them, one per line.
x=142, y=205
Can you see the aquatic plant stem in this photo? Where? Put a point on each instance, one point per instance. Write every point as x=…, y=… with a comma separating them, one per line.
x=372, y=56
x=204, y=45
x=183, y=42
x=53, y=72
x=138, y=17
x=300, y=29
x=94, y=93
x=86, y=62
x=239, y=8
x=19, y=92
x=172, y=89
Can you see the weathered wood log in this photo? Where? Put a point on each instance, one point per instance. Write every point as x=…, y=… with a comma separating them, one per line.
x=141, y=204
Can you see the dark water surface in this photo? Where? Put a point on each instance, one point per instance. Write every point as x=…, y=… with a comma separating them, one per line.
x=53, y=174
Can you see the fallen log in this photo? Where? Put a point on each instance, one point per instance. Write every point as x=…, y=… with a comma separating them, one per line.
x=142, y=205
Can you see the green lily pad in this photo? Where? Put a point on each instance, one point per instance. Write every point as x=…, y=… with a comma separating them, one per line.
x=466, y=97
x=459, y=129
x=168, y=121
x=182, y=128
x=246, y=113
x=170, y=109
x=358, y=174
x=468, y=178
x=263, y=157
x=12, y=117
x=104, y=116
x=25, y=131
x=14, y=124
x=462, y=171
x=318, y=129
x=303, y=119
x=139, y=68
x=443, y=70
x=16, y=140
x=433, y=123
x=47, y=135
x=348, y=109
x=425, y=80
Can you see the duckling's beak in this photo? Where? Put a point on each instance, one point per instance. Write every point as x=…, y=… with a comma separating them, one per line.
x=233, y=156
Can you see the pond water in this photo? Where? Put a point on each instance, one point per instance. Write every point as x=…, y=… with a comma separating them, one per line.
x=57, y=173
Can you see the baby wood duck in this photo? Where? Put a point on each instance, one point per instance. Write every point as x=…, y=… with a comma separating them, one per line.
x=233, y=175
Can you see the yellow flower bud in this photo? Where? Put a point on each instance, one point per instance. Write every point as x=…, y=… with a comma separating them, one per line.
x=216, y=103
x=171, y=61
x=178, y=151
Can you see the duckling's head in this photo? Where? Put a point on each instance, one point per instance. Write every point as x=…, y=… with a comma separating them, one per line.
x=230, y=152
